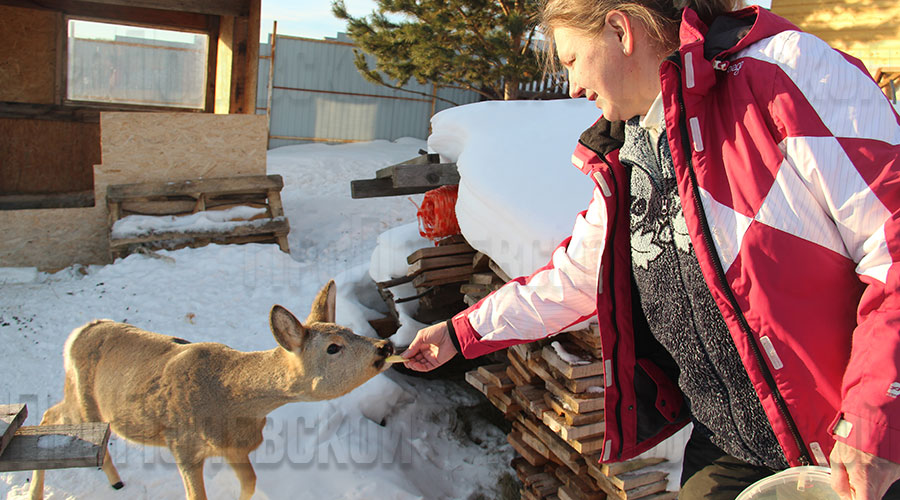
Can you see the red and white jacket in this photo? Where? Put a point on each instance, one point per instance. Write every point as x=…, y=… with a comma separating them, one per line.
x=787, y=157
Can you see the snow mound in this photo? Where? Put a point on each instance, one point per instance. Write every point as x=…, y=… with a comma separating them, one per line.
x=518, y=193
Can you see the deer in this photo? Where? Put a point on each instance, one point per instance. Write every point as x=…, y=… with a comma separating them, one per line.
x=205, y=399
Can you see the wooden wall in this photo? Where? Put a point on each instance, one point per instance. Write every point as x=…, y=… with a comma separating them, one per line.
x=28, y=55
x=866, y=29
x=46, y=157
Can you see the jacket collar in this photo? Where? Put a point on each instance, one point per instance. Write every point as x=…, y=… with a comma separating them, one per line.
x=705, y=49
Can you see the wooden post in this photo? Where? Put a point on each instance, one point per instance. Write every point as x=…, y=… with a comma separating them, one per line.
x=269, y=89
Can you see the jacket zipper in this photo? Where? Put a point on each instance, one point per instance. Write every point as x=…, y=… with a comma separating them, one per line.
x=723, y=282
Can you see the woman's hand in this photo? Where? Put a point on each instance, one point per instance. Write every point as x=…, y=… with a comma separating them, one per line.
x=857, y=475
x=430, y=349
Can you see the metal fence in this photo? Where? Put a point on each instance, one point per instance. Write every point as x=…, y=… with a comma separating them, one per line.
x=317, y=94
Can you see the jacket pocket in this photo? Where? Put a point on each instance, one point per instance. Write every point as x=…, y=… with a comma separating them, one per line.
x=659, y=402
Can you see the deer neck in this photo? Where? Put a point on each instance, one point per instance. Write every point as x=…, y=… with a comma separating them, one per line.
x=263, y=381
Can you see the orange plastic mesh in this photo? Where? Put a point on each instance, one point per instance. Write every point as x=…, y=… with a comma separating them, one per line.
x=437, y=214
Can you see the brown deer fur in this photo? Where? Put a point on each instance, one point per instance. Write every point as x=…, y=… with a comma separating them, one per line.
x=206, y=399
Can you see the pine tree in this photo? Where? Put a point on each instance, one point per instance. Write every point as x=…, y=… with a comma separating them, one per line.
x=486, y=46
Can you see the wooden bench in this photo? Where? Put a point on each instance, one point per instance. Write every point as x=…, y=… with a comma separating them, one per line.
x=48, y=446
x=188, y=197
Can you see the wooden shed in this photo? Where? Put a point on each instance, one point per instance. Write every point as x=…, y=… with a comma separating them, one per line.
x=51, y=138
x=866, y=29
x=185, y=76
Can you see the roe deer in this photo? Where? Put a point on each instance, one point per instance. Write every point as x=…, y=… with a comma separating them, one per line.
x=206, y=399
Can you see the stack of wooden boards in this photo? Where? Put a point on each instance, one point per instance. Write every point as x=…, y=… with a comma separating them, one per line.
x=197, y=195
x=418, y=175
x=552, y=391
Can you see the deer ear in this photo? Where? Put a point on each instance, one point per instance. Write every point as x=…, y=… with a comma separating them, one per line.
x=323, y=307
x=287, y=329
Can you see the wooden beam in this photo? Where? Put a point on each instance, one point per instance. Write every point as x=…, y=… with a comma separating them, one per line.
x=375, y=188
x=11, y=418
x=276, y=226
x=247, y=76
x=53, y=200
x=123, y=11
x=214, y=7
x=425, y=175
x=224, y=65
x=56, y=447
x=212, y=186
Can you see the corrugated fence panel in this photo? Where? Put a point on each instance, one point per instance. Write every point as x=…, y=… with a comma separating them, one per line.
x=319, y=95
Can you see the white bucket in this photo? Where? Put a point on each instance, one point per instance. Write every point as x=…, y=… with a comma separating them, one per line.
x=797, y=483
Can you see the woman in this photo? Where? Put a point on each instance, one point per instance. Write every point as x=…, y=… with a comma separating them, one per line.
x=739, y=251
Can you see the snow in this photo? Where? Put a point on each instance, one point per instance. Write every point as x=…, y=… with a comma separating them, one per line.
x=207, y=221
x=567, y=356
x=395, y=437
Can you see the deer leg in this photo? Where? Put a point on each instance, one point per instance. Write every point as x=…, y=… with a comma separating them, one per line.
x=192, y=476
x=243, y=469
x=111, y=473
x=56, y=414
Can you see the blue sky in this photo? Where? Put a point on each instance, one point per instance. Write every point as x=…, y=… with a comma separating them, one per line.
x=308, y=18
x=313, y=18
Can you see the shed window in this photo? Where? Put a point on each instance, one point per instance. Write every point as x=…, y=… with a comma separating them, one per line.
x=123, y=64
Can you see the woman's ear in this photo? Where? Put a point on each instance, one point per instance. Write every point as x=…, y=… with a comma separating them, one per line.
x=620, y=25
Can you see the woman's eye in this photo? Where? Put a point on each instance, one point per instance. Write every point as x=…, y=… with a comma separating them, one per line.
x=334, y=349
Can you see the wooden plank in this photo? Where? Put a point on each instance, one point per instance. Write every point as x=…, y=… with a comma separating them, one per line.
x=616, y=468
x=216, y=7
x=213, y=186
x=429, y=263
x=56, y=447
x=443, y=276
x=646, y=490
x=570, y=417
x=496, y=375
x=432, y=175
x=440, y=251
x=377, y=188
x=276, y=226
x=78, y=199
x=635, y=479
x=499, y=271
x=11, y=418
x=587, y=446
x=591, y=368
x=572, y=433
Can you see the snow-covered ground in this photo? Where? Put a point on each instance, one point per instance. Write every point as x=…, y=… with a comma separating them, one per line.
x=396, y=437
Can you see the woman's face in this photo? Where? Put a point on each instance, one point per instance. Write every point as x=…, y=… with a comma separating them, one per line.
x=606, y=69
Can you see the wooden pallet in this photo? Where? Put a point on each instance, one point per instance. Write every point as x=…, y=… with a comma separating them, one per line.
x=197, y=195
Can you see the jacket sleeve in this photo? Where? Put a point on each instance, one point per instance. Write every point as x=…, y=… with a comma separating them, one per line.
x=555, y=297
x=842, y=138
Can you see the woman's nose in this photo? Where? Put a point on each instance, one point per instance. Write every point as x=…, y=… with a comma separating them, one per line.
x=575, y=90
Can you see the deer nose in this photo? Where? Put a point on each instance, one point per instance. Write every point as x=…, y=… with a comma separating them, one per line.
x=386, y=348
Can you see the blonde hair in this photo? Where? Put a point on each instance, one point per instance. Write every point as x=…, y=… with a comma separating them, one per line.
x=661, y=18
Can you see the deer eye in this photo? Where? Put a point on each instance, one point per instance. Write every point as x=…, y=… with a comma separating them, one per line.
x=334, y=349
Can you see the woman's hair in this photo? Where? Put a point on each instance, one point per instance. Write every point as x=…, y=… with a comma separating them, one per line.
x=660, y=17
